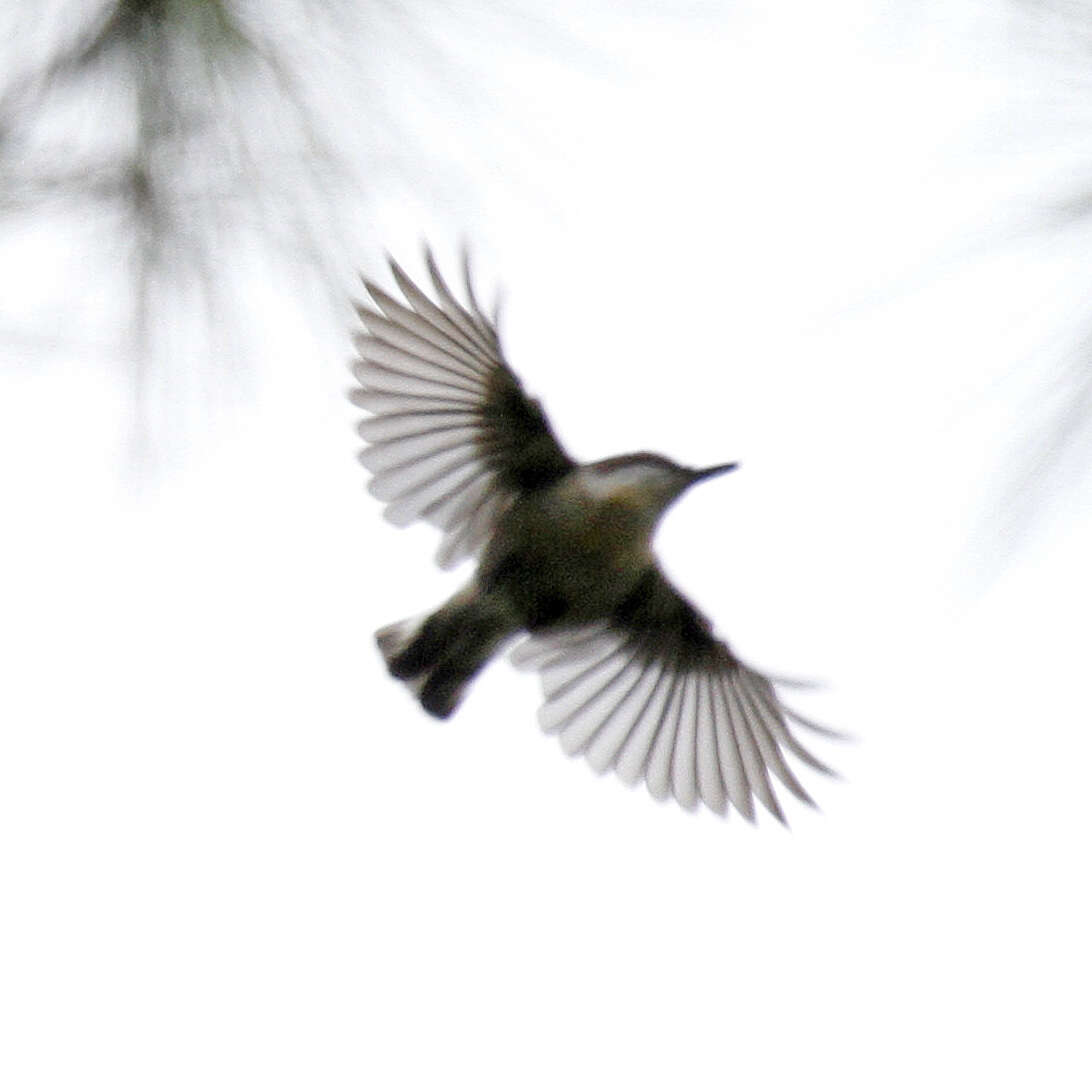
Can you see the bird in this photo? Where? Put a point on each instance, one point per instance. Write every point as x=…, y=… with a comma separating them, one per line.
x=633, y=675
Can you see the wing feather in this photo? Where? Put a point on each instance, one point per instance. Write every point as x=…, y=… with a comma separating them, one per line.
x=632, y=763
x=658, y=771
x=612, y=735
x=653, y=694
x=710, y=784
x=452, y=437
x=684, y=770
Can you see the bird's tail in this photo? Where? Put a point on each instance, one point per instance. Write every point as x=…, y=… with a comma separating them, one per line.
x=439, y=655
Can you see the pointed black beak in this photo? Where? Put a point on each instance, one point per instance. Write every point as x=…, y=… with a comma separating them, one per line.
x=703, y=473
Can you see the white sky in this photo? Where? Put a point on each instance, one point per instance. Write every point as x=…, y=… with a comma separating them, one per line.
x=232, y=845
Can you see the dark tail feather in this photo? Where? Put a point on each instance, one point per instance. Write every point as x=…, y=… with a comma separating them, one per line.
x=439, y=655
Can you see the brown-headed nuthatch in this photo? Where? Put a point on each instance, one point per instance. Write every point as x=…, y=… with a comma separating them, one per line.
x=633, y=676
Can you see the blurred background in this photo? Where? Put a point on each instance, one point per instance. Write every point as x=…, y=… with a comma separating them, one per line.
x=846, y=244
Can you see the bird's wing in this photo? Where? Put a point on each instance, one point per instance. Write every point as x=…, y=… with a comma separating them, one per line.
x=653, y=694
x=452, y=436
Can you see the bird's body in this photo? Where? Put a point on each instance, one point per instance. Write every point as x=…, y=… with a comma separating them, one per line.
x=567, y=555
x=635, y=678
x=561, y=557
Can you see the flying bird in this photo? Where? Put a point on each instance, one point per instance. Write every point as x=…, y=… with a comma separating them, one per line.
x=634, y=678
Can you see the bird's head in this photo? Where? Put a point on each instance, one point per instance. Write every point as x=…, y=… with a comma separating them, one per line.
x=647, y=482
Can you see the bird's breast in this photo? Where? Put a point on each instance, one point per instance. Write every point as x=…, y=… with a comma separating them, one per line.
x=567, y=556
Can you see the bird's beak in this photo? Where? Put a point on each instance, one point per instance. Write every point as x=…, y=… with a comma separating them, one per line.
x=701, y=474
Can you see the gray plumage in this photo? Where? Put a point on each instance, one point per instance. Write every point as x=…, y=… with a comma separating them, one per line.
x=634, y=677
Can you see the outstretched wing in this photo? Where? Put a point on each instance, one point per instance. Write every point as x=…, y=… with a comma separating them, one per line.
x=452, y=437
x=653, y=694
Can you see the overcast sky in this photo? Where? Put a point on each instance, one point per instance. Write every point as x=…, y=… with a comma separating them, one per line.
x=806, y=240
